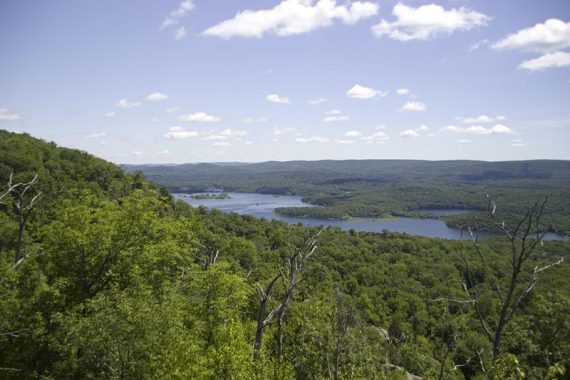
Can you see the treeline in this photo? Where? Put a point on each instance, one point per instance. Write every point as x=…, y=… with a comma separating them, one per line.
x=116, y=279
x=377, y=188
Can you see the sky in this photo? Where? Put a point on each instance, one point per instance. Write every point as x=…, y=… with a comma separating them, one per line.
x=171, y=81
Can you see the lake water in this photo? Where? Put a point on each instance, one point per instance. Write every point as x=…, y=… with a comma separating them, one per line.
x=262, y=206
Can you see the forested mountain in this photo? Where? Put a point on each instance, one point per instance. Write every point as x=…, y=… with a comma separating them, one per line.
x=380, y=188
x=103, y=275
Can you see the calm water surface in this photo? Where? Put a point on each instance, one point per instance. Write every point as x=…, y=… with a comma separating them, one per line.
x=262, y=206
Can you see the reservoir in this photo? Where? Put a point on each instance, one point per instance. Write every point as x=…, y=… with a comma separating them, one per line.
x=263, y=205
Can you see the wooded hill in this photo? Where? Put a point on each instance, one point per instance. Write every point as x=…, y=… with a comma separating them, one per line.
x=113, y=278
x=380, y=188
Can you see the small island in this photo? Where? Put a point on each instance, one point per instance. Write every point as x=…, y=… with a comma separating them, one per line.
x=211, y=196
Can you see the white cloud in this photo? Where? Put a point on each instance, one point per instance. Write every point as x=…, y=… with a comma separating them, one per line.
x=353, y=134
x=177, y=133
x=361, y=92
x=498, y=129
x=199, y=117
x=221, y=143
x=414, y=106
x=248, y=142
x=315, y=139
x=291, y=17
x=345, y=142
x=95, y=135
x=154, y=119
x=334, y=116
x=163, y=153
x=7, y=115
x=481, y=119
x=464, y=141
x=110, y=114
x=332, y=119
x=377, y=137
x=230, y=133
x=251, y=120
x=156, y=97
x=547, y=61
x=427, y=22
x=180, y=33
x=402, y=91
x=124, y=103
x=553, y=35
x=422, y=128
x=182, y=10
x=317, y=101
x=274, y=98
x=477, y=45
x=173, y=109
x=284, y=131
x=137, y=152
x=409, y=133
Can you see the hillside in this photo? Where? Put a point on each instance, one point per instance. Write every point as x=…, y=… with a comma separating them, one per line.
x=117, y=280
x=376, y=188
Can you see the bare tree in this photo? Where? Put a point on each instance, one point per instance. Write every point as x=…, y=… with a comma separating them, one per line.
x=525, y=238
x=23, y=207
x=290, y=275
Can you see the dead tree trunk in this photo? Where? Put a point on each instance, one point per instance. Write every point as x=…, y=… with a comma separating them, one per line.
x=290, y=277
x=524, y=237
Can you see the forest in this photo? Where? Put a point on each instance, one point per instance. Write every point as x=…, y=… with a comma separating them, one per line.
x=103, y=274
x=383, y=188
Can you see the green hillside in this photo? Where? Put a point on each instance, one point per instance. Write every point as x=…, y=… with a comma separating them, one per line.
x=114, y=279
x=380, y=188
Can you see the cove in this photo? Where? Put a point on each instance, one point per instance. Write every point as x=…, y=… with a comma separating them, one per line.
x=263, y=206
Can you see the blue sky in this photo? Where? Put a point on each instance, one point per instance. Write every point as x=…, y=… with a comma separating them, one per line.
x=143, y=81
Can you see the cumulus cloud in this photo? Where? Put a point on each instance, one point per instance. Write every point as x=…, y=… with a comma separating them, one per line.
x=547, y=61
x=284, y=131
x=174, y=17
x=274, y=98
x=550, y=36
x=96, y=135
x=177, y=133
x=477, y=45
x=344, y=142
x=221, y=143
x=334, y=116
x=427, y=22
x=332, y=119
x=481, y=119
x=314, y=139
x=402, y=91
x=377, y=137
x=291, y=17
x=156, y=97
x=414, y=106
x=361, y=92
x=109, y=114
x=498, y=129
x=7, y=115
x=199, y=117
x=180, y=33
x=251, y=120
x=353, y=134
x=409, y=133
x=317, y=101
x=124, y=103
